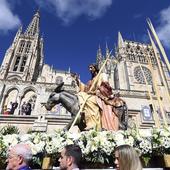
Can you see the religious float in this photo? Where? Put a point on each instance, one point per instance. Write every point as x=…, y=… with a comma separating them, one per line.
x=98, y=147
x=97, y=144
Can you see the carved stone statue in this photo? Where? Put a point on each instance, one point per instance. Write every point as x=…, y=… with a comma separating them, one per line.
x=101, y=110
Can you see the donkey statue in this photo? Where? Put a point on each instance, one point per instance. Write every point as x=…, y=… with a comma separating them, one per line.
x=71, y=102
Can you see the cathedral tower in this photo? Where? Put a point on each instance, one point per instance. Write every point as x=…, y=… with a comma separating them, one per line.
x=137, y=77
x=133, y=56
x=134, y=74
x=24, y=58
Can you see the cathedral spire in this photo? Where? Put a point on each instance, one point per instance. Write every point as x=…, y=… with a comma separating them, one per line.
x=19, y=30
x=33, y=27
x=120, y=41
x=107, y=50
x=99, y=55
x=17, y=34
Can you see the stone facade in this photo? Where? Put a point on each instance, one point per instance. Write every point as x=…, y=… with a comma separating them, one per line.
x=126, y=71
x=26, y=79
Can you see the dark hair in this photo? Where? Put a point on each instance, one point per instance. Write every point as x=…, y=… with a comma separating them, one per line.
x=95, y=66
x=93, y=74
x=75, y=152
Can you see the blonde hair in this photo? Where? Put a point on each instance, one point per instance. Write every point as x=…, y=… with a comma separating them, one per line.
x=128, y=158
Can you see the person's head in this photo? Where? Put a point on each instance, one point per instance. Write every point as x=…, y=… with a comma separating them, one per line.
x=93, y=69
x=70, y=157
x=18, y=156
x=126, y=158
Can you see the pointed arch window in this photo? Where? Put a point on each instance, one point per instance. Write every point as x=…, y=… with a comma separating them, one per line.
x=16, y=63
x=21, y=46
x=27, y=48
x=142, y=59
x=131, y=57
x=23, y=63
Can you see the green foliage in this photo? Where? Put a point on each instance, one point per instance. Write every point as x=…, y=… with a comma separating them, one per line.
x=145, y=160
x=36, y=162
x=9, y=129
x=3, y=152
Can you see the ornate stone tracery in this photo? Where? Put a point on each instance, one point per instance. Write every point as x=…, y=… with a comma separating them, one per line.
x=138, y=74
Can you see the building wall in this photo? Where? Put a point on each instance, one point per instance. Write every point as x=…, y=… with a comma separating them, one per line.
x=37, y=80
x=30, y=81
x=131, y=57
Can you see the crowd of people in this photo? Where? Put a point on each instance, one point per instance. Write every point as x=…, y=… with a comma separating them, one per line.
x=10, y=108
x=25, y=108
x=20, y=156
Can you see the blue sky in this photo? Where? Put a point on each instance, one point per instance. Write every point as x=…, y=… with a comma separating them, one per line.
x=73, y=29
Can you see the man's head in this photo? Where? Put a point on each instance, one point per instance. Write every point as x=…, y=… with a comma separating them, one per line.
x=18, y=156
x=70, y=157
x=93, y=69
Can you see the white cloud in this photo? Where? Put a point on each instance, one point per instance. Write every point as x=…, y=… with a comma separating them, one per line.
x=69, y=10
x=8, y=20
x=164, y=28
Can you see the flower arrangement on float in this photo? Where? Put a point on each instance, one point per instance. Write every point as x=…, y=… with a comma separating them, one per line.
x=97, y=146
x=161, y=141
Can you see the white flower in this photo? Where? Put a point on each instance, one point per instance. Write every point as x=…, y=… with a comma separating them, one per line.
x=145, y=132
x=145, y=146
x=119, y=138
x=33, y=147
x=25, y=137
x=74, y=136
x=10, y=140
x=129, y=141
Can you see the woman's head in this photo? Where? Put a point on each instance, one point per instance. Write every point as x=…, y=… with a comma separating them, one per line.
x=126, y=158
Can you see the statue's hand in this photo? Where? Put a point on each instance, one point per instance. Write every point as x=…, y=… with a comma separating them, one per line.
x=91, y=92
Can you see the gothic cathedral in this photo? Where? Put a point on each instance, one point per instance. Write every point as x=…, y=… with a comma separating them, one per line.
x=26, y=82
